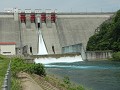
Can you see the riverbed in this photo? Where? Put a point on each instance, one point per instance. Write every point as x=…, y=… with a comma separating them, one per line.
x=97, y=75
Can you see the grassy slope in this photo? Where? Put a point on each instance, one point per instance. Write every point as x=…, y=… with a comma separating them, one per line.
x=3, y=68
x=51, y=82
x=15, y=84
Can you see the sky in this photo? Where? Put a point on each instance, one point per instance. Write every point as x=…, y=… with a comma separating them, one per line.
x=63, y=5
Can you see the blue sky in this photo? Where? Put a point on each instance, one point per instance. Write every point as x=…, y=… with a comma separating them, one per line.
x=64, y=5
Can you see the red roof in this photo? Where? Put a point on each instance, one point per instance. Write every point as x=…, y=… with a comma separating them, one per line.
x=7, y=43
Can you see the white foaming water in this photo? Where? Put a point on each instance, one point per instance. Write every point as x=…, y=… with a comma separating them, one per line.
x=58, y=60
x=42, y=48
x=77, y=67
x=43, y=51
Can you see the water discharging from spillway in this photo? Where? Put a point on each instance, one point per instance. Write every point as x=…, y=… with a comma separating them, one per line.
x=67, y=59
x=49, y=60
x=42, y=48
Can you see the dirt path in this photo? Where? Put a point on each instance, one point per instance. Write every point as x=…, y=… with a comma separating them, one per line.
x=27, y=82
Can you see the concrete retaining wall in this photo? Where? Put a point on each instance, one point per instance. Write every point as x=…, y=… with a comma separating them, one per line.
x=98, y=55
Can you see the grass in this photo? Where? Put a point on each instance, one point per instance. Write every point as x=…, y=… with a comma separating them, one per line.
x=57, y=83
x=16, y=85
x=47, y=83
x=3, y=68
x=64, y=84
x=19, y=65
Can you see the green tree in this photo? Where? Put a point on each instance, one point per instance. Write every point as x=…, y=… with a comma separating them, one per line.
x=116, y=56
x=108, y=38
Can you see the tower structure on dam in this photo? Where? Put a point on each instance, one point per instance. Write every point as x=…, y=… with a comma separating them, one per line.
x=65, y=32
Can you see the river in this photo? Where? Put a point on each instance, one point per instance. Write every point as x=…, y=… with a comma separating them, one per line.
x=97, y=75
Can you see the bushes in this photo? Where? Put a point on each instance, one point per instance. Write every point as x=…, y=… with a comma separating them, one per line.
x=36, y=69
x=116, y=56
x=70, y=86
x=18, y=65
x=66, y=80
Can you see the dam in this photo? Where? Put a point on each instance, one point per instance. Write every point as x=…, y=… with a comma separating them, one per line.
x=62, y=32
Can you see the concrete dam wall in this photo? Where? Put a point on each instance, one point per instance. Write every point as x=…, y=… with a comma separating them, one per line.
x=68, y=29
x=74, y=30
x=15, y=31
x=71, y=30
x=9, y=30
x=50, y=36
x=29, y=37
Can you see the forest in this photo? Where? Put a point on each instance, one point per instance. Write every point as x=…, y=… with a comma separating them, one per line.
x=108, y=37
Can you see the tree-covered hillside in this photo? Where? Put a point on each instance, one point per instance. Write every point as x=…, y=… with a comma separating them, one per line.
x=108, y=38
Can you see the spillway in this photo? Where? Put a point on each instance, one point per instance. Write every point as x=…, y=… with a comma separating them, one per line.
x=42, y=48
x=51, y=60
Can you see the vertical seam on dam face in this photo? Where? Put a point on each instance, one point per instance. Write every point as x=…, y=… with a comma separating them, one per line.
x=57, y=30
x=20, y=35
x=61, y=35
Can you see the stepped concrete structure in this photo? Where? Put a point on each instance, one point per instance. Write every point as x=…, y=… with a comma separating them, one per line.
x=68, y=29
x=29, y=37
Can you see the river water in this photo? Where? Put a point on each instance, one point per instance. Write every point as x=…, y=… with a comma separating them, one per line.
x=97, y=75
